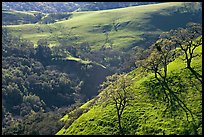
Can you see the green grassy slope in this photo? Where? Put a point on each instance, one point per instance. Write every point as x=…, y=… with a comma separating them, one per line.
x=144, y=116
x=133, y=24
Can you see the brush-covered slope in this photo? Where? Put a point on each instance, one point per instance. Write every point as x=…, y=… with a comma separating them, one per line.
x=144, y=115
x=122, y=28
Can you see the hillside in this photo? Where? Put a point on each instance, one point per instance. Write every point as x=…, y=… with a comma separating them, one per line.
x=144, y=115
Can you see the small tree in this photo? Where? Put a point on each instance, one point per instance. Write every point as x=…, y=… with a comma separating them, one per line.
x=117, y=89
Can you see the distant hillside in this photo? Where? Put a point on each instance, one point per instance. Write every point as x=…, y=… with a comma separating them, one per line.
x=48, y=7
x=118, y=28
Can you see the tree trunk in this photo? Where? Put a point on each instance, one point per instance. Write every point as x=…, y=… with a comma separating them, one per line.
x=188, y=63
x=119, y=124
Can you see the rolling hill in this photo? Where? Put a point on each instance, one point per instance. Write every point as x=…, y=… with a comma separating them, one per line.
x=120, y=29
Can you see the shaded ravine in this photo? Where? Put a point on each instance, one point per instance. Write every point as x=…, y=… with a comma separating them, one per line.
x=91, y=74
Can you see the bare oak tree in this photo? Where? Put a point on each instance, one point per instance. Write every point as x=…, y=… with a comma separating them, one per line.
x=117, y=89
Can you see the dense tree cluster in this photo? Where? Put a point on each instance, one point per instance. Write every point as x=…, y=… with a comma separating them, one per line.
x=29, y=84
x=40, y=80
